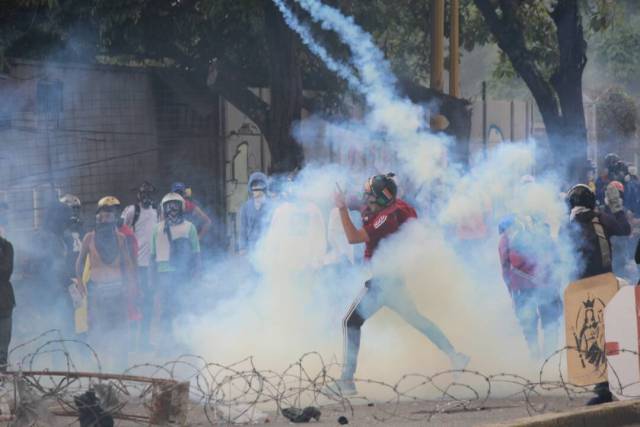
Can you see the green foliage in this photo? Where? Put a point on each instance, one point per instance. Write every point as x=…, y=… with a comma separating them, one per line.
x=615, y=49
x=598, y=17
x=617, y=115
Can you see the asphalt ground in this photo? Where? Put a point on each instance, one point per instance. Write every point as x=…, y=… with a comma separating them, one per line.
x=401, y=414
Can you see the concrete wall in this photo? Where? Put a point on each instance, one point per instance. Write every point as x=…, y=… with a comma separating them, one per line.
x=85, y=130
x=506, y=121
x=98, y=130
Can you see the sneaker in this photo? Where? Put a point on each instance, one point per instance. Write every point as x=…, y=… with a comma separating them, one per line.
x=601, y=397
x=341, y=388
x=459, y=361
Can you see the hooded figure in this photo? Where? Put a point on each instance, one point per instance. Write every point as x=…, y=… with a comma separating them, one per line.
x=255, y=213
x=591, y=232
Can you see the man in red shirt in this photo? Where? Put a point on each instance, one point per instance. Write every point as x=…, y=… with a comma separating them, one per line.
x=382, y=216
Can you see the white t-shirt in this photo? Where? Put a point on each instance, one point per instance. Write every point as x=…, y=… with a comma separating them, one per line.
x=143, y=230
x=296, y=236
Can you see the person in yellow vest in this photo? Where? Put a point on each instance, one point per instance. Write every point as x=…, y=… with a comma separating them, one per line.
x=111, y=277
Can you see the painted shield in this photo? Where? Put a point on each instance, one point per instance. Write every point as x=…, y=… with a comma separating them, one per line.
x=621, y=329
x=584, y=304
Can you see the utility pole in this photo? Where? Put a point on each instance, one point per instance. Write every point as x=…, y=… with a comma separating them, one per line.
x=484, y=118
x=438, y=122
x=454, y=50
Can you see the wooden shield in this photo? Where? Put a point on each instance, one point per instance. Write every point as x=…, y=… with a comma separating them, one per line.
x=621, y=324
x=584, y=303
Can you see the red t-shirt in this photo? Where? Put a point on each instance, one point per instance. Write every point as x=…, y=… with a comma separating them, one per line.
x=384, y=223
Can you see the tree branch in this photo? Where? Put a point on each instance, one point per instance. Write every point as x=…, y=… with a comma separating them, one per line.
x=509, y=34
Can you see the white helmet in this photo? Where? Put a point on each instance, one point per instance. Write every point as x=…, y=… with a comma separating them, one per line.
x=71, y=200
x=172, y=197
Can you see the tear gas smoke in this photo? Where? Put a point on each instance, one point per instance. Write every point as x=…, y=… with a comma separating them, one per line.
x=289, y=295
x=297, y=300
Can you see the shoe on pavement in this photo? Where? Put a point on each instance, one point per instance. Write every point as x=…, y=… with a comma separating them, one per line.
x=459, y=361
x=601, y=397
x=342, y=388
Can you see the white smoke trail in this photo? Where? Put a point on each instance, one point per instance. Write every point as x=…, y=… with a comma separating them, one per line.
x=341, y=69
x=401, y=123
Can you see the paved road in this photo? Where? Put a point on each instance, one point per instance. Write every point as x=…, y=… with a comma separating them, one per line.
x=422, y=413
x=404, y=414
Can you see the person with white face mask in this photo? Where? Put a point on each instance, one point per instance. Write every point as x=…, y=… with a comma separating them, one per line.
x=254, y=215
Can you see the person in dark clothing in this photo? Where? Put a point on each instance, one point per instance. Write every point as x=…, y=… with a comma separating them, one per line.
x=7, y=300
x=73, y=234
x=4, y=218
x=591, y=229
x=632, y=192
x=611, y=162
x=591, y=232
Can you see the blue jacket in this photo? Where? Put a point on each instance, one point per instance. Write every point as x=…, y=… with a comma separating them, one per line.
x=253, y=221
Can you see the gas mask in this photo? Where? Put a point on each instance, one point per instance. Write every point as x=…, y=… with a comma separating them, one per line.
x=76, y=217
x=173, y=212
x=146, y=199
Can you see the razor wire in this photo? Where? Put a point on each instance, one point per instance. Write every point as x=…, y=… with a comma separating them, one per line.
x=241, y=393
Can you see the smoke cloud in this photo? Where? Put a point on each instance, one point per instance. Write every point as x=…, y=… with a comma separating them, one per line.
x=296, y=301
x=288, y=296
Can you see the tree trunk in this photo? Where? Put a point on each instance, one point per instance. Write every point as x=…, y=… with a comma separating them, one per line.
x=559, y=99
x=567, y=81
x=285, y=81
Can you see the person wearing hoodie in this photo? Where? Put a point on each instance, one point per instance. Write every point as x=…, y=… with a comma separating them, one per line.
x=591, y=232
x=254, y=214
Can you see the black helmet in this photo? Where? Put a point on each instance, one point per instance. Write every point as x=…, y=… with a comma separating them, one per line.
x=145, y=193
x=581, y=195
x=618, y=171
x=146, y=187
x=383, y=188
x=610, y=160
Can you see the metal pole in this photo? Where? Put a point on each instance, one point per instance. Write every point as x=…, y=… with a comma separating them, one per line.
x=437, y=56
x=437, y=45
x=526, y=121
x=484, y=118
x=454, y=50
x=512, y=124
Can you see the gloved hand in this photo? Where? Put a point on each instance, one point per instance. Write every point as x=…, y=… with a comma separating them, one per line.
x=612, y=199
